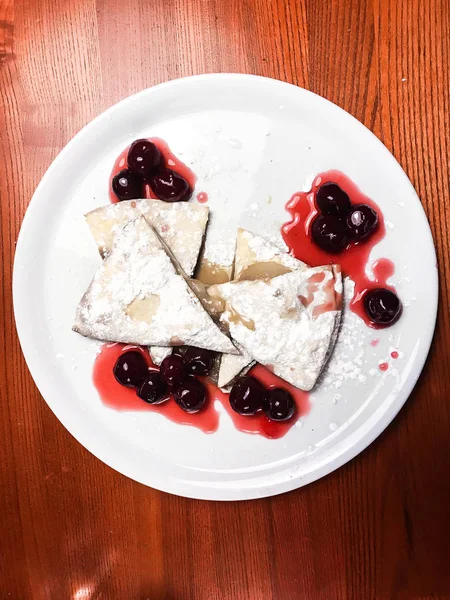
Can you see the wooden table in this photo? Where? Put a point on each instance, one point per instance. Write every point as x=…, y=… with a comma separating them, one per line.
x=378, y=528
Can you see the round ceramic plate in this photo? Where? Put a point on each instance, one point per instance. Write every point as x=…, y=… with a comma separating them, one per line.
x=252, y=142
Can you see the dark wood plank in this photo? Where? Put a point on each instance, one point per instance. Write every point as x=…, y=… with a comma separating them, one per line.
x=73, y=528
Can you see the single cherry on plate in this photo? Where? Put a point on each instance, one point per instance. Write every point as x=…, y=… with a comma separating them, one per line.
x=179, y=351
x=332, y=200
x=382, y=306
x=153, y=389
x=143, y=158
x=247, y=396
x=130, y=369
x=329, y=233
x=169, y=186
x=127, y=185
x=199, y=361
x=190, y=395
x=361, y=222
x=279, y=405
x=173, y=370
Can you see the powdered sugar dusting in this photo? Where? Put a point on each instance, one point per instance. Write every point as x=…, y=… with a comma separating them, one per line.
x=267, y=251
x=181, y=225
x=221, y=252
x=347, y=360
x=159, y=353
x=251, y=249
x=138, y=273
x=276, y=329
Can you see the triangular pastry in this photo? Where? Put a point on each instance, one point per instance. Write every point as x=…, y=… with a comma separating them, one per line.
x=138, y=297
x=255, y=258
x=217, y=256
x=180, y=224
x=232, y=366
x=287, y=323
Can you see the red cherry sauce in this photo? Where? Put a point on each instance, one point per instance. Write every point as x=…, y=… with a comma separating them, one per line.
x=260, y=423
x=202, y=197
x=394, y=354
x=353, y=260
x=382, y=269
x=170, y=160
x=121, y=398
x=383, y=366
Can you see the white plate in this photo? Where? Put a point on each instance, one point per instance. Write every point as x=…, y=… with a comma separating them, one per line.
x=247, y=138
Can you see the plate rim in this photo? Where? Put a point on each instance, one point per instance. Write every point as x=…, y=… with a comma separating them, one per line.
x=186, y=489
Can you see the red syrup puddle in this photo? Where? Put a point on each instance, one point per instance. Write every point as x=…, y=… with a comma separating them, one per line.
x=383, y=366
x=353, y=260
x=202, y=197
x=121, y=398
x=170, y=160
x=383, y=268
x=259, y=423
x=394, y=354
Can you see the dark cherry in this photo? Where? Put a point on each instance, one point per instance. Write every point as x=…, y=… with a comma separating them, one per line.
x=179, y=351
x=332, y=200
x=190, y=395
x=361, y=222
x=279, y=405
x=143, y=158
x=130, y=369
x=153, y=389
x=382, y=306
x=199, y=361
x=127, y=185
x=329, y=233
x=173, y=370
x=169, y=186
x=247, y=396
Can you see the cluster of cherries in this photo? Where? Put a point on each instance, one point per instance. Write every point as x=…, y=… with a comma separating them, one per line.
x=248, y=396
x=177, y=378
x=146, y=166
x=341, y=223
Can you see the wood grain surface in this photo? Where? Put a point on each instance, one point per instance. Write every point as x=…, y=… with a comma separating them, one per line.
x=72, y=528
